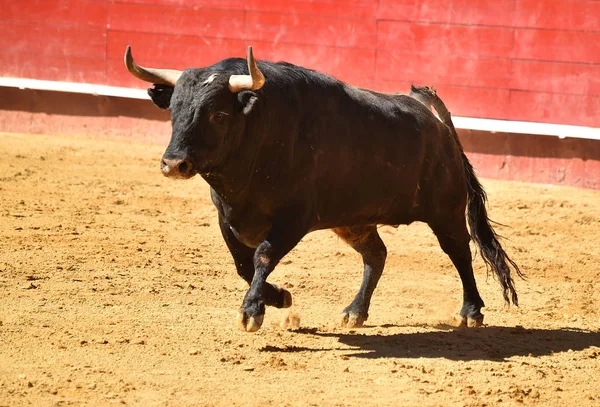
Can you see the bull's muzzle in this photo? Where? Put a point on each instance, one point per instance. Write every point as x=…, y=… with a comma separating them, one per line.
x=177, y=168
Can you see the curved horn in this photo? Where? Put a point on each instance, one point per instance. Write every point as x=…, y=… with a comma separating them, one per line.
x=254, y=81
x=152, y=75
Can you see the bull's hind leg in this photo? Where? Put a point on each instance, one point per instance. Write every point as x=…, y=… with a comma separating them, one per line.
x=366, y=241
x=454, y=238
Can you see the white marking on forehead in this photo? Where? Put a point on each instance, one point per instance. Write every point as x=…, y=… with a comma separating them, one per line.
x=210, y=79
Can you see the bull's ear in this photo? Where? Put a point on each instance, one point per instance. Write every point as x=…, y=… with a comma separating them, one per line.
x=161, y=95
x=248, y=100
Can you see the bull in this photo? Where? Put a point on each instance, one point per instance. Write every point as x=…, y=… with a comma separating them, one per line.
x=288, y=150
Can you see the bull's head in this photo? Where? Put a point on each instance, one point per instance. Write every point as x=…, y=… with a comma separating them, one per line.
x=208, y=108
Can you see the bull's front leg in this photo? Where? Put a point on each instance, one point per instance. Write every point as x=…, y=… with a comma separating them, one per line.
x=243, y=257
x=267, y=255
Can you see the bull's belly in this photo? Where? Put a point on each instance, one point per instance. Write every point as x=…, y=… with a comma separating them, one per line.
x=341, y=222
x=382, y=209
x=252, y=234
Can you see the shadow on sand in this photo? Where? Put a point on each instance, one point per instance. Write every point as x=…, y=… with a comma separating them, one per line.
x=489, y=343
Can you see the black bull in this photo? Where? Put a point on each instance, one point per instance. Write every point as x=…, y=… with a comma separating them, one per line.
x=288, y=151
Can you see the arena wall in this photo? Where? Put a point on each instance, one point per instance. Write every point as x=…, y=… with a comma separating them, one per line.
x=518, y=60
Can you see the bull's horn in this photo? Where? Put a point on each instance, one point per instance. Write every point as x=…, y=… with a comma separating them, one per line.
x=152, y=75
x=254, y=81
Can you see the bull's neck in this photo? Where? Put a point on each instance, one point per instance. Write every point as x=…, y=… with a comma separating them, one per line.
x=231, y=182
x=252, y=172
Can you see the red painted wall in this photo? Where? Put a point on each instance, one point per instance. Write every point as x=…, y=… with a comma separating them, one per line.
x=535, y=60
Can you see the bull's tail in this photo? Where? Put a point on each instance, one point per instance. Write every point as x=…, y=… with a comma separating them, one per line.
x=480, y=226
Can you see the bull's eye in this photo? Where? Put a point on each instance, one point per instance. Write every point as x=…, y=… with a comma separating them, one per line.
x=217, y=117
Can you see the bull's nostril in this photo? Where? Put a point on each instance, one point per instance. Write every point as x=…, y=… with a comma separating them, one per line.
x=176, y=168
x=183, y=167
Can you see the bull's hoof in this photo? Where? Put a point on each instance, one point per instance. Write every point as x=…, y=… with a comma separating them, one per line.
x=251, y=315
x=475, y=322
x=283, y=298
x=287, y=298
x=250, y=323
x=352, y=320
x=471, y=322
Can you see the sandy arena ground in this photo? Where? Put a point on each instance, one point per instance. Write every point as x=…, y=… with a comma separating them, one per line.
x=116, y=288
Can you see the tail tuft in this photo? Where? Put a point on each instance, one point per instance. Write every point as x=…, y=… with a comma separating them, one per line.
x=486, y=238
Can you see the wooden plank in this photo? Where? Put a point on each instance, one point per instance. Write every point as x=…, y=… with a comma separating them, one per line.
x=59, y=41
x=49, y=67
x=476, y=102
x=443, y=69
x=355, y=9
x=196, y=4
x=434, y=11
x=305, y=29
x=445, y=39
x=582, y=110
x=482, y=12
x=555, y=77
x=558, y=14
x=183, y=21
x=61, y=13
x=547, y=45
x=335, y=8
x=469, y=12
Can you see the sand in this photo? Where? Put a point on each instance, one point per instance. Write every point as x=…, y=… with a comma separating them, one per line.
x=116, y=288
